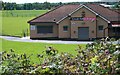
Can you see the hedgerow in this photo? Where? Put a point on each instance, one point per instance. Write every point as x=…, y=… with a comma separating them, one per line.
x=101, y=57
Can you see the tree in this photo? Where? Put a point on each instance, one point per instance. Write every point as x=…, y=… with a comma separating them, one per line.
x=1, y=3
x=117, y=5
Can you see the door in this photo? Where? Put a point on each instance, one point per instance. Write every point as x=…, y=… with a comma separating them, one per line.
x=83, y=33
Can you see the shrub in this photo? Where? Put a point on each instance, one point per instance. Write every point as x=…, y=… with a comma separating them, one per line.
x=98, y=58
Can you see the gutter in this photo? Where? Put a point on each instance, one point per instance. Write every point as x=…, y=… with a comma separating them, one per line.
x=104, y=31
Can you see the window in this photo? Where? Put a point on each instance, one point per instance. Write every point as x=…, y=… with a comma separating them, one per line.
x=44, y=29
x=100, y=28
x=113, y=29
x=32, y=27
x=116, y=29
x=65, y=28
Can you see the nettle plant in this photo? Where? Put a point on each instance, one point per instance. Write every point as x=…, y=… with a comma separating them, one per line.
x=101, y=57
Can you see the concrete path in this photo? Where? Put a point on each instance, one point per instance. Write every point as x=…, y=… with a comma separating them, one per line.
x=27, y=39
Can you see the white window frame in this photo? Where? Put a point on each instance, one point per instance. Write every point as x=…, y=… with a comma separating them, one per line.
x=32, y=27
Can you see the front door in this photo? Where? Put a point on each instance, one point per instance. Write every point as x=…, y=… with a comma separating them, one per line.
x=83, y=33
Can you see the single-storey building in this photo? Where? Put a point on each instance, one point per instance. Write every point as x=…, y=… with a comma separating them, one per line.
x=80, y=22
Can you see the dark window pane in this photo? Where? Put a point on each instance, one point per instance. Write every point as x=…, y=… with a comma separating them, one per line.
x=100, y=27
x=116, y=29
x=44, y=29
x=65, y=28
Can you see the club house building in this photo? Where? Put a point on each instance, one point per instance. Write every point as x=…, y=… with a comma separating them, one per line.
x=80, y=22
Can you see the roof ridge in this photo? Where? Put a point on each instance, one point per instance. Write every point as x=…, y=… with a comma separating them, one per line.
x=115, y=10
x=45, y=13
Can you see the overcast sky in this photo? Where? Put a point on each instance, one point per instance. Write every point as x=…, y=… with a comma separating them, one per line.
x=52, y=1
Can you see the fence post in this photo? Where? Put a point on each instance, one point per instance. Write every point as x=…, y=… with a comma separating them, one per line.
x=24, y=35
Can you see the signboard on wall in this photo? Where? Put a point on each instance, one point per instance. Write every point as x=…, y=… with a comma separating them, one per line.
x=83, y=19
x=32, y=27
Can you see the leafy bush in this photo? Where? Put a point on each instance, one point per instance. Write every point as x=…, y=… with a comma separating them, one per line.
x=98, y=58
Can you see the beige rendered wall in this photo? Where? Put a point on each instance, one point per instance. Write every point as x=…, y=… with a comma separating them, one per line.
x=34, y=34
x=100, y=21
x=76, y=24
x=64, y=34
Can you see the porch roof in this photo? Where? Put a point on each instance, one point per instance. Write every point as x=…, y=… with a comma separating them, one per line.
x=116, y=25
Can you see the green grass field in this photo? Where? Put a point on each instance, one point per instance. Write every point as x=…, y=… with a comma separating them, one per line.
x=22, y=13
x=14, y=22
x=14, y=26
x=36, y=48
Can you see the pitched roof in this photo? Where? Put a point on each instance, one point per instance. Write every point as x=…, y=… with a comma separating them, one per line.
x=56, y=15
x=116, y=10
x=61, y=12
x=104, y=12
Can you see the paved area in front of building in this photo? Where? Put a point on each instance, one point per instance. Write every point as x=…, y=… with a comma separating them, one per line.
x=27, y=39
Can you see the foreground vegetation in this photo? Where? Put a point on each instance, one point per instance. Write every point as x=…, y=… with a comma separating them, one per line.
x=98, y=58
x=14, y=22
x=36, y=48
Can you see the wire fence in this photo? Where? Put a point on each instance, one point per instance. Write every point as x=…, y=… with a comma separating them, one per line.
x=23, y=33
x=19, y=15
x=22, y=13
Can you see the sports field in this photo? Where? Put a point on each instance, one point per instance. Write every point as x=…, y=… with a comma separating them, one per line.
x=14, y=22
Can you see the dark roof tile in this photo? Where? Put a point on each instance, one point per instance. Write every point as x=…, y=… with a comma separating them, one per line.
x=57, y=14
x=105, y=12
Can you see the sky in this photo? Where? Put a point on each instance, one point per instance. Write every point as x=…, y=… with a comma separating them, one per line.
x=52, y=1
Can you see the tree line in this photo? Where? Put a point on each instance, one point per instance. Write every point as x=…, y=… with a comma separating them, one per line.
x=28, y=6
x=38, y=6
